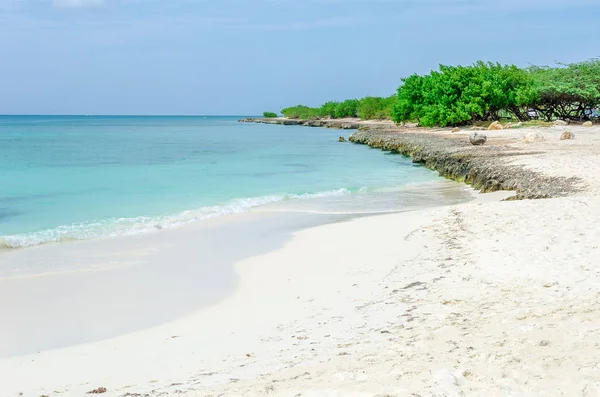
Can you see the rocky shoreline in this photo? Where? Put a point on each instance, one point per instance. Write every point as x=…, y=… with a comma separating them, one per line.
x=485, y=168
x=482, y=167
x=338, y=124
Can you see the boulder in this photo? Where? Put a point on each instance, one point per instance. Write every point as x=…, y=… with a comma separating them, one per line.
x=567, y=135
x=455, y=129
x=561, y=123
x=588, y=124
x=342, y=139
x=534, y=137
x=507, y=126
x=477, y=139
x=495, y=126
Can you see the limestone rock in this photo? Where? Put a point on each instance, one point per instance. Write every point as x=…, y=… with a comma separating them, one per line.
x=567, y=135
x=561, y=123
x=342, y=139
x=455, y=129
x=534, y=137
x=477, y=139
x=588, y=124
x=495, y=126
x=507, y=126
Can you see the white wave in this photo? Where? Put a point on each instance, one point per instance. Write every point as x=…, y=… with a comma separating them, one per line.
x=113, y=227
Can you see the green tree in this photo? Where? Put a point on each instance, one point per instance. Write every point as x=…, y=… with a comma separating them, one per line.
x=456, y=95
x=567, y=91
x=347, y=108
x=269, y=115
x=300, y=112
x=328, y=109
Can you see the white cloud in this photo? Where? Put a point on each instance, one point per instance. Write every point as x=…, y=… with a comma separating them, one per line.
x=78, y=3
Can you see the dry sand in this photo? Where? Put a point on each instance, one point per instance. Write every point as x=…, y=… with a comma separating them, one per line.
x=486, y=298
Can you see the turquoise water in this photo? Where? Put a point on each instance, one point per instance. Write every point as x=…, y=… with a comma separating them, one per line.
x=82, y=177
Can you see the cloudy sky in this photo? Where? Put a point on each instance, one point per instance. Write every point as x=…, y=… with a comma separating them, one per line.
x=246, y=56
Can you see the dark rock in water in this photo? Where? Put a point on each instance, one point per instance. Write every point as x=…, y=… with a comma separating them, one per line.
x=342, y=139
x=477, y=139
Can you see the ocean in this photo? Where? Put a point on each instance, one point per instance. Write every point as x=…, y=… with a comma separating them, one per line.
x=66, y=178
x=141, y=220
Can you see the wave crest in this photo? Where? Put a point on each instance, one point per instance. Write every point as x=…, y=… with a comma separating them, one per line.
x=113, y=227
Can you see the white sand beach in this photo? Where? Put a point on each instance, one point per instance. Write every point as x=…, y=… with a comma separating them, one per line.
x=486, y=298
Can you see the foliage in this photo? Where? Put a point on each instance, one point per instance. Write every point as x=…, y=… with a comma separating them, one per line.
x=348, y=108
x=301, y=112
x=370, y=108
x=328, y=109
x=269, y=115
x=567, y=91
x=455, y=95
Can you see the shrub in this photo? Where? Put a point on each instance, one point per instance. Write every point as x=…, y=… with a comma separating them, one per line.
x=300, y=112
x=328, y=109
x=348, y=108
x=370, y=108
x=269, y=115
x=456, y=95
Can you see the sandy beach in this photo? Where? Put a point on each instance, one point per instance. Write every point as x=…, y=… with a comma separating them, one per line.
x=487, y=298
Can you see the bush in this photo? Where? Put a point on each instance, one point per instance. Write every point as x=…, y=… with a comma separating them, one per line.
x=269, y=115
x=328, y=109
x=300, y=112
x=456, y=95
x=370, y=108
x=348, y=108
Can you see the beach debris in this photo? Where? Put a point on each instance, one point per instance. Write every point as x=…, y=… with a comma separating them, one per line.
x=248, y=355
x=342, y=139
x=545, y=343
x=455, y=129
x=415, y=284
x=534, y=137
x=588, y=124
x=567, y=135
x=561, y=123
x=99, y=390
x=477, y=139
x=495, y=126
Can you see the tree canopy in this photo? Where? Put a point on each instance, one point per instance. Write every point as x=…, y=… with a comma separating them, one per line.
x=457, y=95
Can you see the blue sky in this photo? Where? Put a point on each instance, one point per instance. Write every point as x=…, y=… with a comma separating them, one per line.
x=247, y=56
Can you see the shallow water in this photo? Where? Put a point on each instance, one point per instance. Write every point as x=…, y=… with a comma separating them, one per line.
x=105, y=196
x=82, y=177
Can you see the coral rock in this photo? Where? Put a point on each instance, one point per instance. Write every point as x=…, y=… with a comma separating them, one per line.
x=477, y=139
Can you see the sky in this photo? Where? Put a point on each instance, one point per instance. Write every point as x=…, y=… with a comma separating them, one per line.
x=243, y=57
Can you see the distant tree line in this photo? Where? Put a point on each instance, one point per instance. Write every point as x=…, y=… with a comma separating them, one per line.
x=368, y=108
x=458, y=95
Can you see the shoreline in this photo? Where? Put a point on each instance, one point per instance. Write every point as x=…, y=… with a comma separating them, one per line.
x=453, y=157
x=150, y=279
x=484, y=298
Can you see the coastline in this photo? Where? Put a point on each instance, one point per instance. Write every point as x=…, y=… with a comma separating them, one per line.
x=417, y=302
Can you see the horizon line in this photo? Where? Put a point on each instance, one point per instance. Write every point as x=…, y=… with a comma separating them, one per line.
x=128, y=115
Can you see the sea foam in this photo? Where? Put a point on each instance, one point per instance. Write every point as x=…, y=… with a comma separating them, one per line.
x=113, y=227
